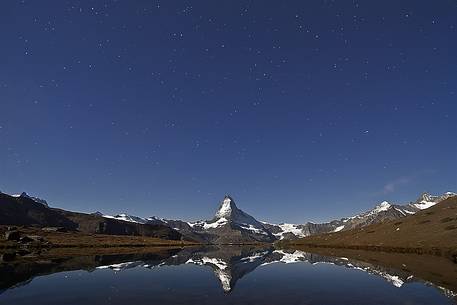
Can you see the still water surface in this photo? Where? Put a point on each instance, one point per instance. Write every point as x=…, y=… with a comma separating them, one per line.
x=212, y=275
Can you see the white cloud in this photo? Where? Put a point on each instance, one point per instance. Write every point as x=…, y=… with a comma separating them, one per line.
x=391, y=186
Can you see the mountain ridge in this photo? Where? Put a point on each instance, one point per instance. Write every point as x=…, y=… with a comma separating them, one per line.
x=27, y=211
x=381, y=212
x=232, y=225
x=431, y=230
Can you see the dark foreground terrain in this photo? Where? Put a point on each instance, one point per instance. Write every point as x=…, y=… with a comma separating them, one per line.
x=32, y=239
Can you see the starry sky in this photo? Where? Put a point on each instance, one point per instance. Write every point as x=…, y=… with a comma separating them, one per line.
x=300, y=110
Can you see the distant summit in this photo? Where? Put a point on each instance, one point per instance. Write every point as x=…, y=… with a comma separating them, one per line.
x=384, y=211
x=36, y=199
x=426, y=200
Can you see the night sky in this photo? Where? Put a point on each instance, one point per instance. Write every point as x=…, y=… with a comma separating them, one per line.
x=301, y=110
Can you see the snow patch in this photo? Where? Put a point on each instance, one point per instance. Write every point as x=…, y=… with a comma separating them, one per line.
x=383, y=206
x=289, y=258
x=251, y=228
x=128, y=218
x=225, y=278
x=121, y=266
x=208, y=225
x=337, y=229
x=220, y=264
x=393, y=279
x=219, y=223
x=288, y=228
x=252, y=258
x=424, y=204
x=226, y=209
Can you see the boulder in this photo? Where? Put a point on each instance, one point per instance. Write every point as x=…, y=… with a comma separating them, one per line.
x=12, y=235
x=25, y=239
x=54, y=229
x=7, y=257
x=33, y=240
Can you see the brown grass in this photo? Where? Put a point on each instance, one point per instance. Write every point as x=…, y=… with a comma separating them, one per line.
x=81, y=240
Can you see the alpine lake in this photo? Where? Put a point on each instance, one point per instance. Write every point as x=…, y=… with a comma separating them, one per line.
x=227, y=275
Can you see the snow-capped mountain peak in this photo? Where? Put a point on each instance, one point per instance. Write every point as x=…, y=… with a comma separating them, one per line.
x=383, y=206
x=229, y=221
x=426, y=200
x=126, y=217
x=226, y=208
x=230, y=213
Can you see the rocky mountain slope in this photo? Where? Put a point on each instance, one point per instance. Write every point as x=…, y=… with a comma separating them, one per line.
x=27, y=211
x=229, y=225
x=432, y=230
x=23, y=210
x=384, y=211
x=232, y=225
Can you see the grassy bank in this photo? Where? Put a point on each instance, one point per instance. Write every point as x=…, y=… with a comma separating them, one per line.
x=81, y=240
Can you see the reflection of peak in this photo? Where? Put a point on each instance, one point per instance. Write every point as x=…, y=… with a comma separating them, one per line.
x=225, y=278
x=121, y=266
x=230, y=264
x=214, y=262
x=221, y=269
x=294, y=257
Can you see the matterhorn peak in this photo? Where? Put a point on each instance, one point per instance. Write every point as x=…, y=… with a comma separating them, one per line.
x=226, y=208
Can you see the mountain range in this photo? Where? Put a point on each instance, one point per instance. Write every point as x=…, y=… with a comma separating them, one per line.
x=230, y=225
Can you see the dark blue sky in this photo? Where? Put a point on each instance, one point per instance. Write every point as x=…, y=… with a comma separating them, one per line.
x=301, y=110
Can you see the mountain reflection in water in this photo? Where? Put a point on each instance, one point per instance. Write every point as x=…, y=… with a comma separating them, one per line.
x=229, y=264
